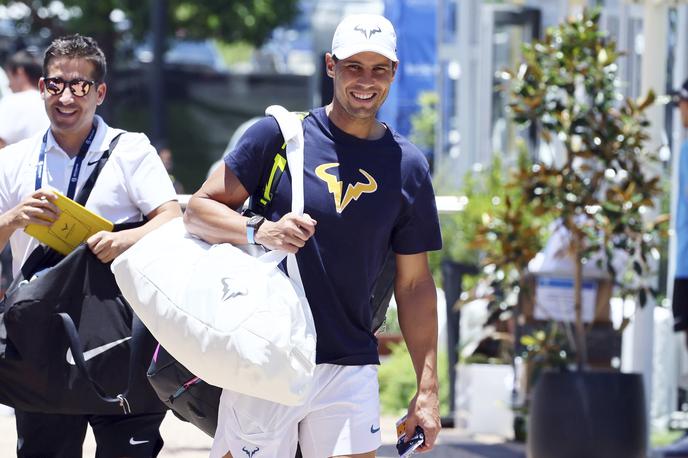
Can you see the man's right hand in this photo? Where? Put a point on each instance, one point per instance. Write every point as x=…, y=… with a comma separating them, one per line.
x=288, y=234
x=38, y=208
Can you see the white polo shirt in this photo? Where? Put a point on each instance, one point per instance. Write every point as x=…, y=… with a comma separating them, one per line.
x=22, y=114
x=133, y=182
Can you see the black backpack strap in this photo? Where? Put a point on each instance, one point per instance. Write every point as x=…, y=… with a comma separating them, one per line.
x=383, y=290
x=138, y=336
x=266, y=191
x=91, y=181
x=262, y=198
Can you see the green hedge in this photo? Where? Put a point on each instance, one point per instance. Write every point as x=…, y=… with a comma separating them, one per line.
x=398, y=382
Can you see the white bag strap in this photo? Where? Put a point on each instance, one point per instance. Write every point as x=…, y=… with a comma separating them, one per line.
x=292, y=130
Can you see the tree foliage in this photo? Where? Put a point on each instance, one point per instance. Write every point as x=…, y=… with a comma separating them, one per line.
x=604, y=187
x=247, y=20
x=424, y=122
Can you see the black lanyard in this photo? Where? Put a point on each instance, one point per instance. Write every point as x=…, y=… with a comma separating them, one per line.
x=77, y=162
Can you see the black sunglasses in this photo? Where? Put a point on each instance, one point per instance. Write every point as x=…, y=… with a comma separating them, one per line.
x=78, y=87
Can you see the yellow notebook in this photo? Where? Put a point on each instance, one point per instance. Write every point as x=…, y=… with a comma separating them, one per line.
x=74, y=225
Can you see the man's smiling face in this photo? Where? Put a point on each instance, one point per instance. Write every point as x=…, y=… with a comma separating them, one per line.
x=361, y=82
x=69, y=114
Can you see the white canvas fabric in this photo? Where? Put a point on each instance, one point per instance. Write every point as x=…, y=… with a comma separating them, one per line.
x=236, y=321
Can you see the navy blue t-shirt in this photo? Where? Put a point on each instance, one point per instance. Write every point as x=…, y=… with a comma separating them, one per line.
x=365, y=196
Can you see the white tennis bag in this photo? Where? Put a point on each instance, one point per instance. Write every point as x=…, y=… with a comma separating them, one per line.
x=233, y=320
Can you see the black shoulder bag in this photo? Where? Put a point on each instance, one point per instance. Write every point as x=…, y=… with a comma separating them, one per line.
x=69, y=342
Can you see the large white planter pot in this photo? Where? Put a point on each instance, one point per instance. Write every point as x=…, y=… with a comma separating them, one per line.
x=483, y=399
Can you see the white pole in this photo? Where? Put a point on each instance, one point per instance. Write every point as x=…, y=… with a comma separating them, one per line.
x=653, y=77
x=470, y=13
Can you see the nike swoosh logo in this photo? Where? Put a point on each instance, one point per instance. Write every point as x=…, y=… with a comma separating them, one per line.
x=135, y=442
x=92, y=353
x=93, y=162
x=373, y=429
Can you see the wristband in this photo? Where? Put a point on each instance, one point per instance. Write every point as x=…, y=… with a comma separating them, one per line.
x=252, y=226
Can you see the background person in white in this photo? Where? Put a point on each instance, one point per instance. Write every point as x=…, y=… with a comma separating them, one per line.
x=132, y=183
x=4, y=84
x=22, y=113
x=339, y=251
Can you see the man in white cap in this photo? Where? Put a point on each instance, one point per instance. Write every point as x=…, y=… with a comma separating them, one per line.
x=369, y=190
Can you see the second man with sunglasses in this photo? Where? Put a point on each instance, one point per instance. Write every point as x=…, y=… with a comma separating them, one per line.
x=133, y=183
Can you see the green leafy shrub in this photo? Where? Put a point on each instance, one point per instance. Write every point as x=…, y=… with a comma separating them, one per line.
x=482, y=193
x=398, y=382
x=424, y=122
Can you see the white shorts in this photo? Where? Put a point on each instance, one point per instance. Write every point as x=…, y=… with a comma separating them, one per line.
x=341, y=416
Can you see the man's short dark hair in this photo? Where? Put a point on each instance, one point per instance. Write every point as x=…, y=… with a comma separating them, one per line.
x=80, y=47
x=28, y=61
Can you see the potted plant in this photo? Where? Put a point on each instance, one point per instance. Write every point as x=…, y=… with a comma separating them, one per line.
x=598, y=186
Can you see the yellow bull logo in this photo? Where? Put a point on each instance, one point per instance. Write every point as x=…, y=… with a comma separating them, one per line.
x=335, y=186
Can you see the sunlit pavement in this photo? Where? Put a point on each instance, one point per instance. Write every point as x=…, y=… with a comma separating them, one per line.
x=183, y=440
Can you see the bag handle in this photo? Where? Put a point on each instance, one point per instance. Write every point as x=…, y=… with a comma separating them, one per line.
x=138, y=332
x=292, y=131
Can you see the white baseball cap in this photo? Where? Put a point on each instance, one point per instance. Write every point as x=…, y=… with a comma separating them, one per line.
x=365, y=32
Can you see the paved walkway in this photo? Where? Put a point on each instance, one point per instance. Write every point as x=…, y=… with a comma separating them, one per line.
x=183, y=440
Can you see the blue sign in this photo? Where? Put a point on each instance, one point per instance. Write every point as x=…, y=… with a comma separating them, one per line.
x=415, y=22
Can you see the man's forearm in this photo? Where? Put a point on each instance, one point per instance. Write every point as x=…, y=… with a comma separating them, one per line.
x=416, y=297
x=214, y=221
x=417, y=306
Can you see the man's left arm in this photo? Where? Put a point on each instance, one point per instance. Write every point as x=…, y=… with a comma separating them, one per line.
x=416, y=297
x=108, y=245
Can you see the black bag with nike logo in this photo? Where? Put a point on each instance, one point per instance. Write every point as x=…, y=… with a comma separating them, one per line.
x=69, y=342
